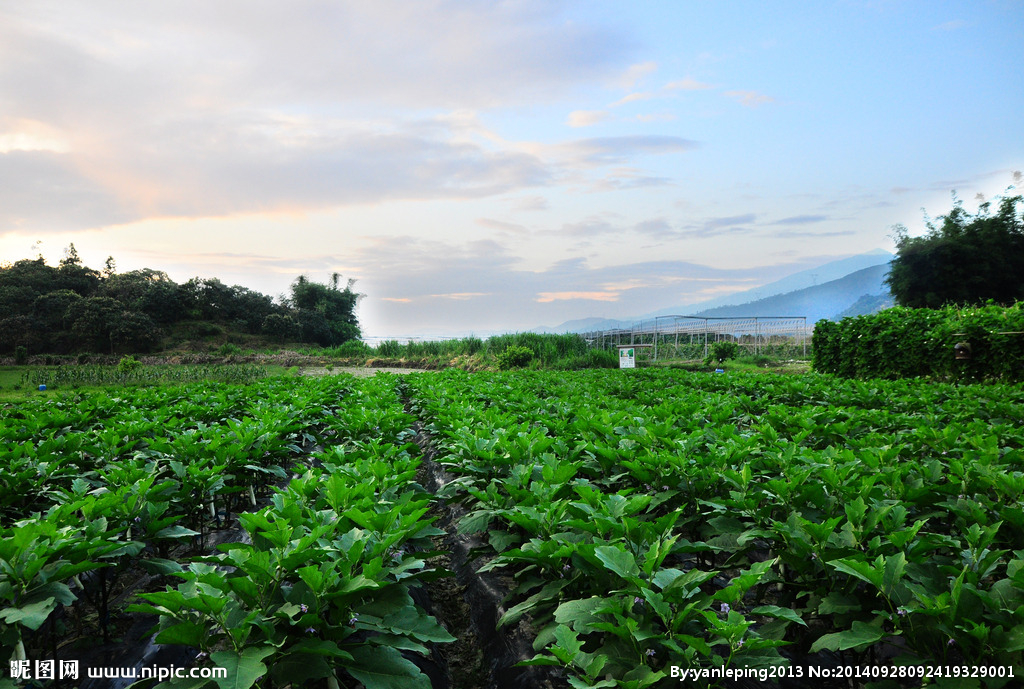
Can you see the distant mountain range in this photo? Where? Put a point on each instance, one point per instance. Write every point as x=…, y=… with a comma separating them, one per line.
x=848, y=287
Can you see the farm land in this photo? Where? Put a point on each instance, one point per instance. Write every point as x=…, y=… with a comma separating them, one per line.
x=596, y=528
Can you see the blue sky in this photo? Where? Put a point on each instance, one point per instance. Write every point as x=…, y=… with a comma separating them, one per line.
x=494, y=166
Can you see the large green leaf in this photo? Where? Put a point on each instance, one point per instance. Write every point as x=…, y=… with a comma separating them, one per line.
x=381, y=667
x=617, y=560
x=780, y=613
x=32, y=615
x=858, y=637
x=243, y=668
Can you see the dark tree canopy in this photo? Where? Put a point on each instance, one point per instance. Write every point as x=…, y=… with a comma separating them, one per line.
x=325, y=313
x=964, y=259
x=73, y=308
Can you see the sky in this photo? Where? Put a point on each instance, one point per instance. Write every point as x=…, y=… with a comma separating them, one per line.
x=493, y=166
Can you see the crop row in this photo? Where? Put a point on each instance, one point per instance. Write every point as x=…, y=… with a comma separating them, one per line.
x=96, y=487
x=663, y=518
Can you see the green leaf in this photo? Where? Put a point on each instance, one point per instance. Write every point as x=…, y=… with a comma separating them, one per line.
x=381, y=667
x=780, y=613
x=159, y=565
x=617, y=560
x=895, y=567
x=545, y=595
x=871, y=572
x=32, y=615
x=185, y=633
x=838, y=603
x=579, y=614
x=858, y=637
x=412, y=622
x=175, y=532
x=243, y=668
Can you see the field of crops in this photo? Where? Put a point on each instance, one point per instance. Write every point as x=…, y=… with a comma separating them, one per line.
x=636, y=522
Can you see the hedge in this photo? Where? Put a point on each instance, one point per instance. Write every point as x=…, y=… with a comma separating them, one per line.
x=905, y=343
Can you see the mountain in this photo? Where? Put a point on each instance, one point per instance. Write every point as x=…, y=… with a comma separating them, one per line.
x=868, y=304
x=827, y=300
x=827, y=272
x=583, y=325
x=847, y=287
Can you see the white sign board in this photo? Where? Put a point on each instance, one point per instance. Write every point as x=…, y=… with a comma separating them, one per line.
x=627, y=357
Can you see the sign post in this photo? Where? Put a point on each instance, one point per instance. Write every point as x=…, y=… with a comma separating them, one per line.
x=627, y=357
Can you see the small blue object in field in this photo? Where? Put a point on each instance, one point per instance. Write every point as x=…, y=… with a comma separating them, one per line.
x=719, y=370
x=41, y=388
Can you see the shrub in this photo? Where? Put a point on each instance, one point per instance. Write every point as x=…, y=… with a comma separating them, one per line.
x=228, y=349
x=389, y=348
x=720, y=351
x=20, y=355
x=903, y=343
x=514, y=356
x=592, y=358
x=128, y=365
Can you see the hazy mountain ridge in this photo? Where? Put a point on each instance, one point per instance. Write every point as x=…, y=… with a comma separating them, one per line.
x=826, y=300
x=847, y=287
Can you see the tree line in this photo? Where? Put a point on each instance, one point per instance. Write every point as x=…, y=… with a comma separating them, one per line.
x=71, y=308
x=964, y=258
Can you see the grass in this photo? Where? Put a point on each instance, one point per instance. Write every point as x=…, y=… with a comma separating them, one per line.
x=22, y=382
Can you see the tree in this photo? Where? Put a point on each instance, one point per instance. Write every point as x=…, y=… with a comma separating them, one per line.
x=967, y=259
x=336, y=306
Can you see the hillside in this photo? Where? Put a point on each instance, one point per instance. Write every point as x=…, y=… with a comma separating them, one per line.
x=71, y=308
x=827, y=300
x=848, y=287
x=827, y=272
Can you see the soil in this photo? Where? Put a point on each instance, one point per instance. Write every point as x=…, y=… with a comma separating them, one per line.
x=470, y=604
x=358, y=371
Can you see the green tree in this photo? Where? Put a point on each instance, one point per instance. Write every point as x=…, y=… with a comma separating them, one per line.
x=335, y=306
x=52, y=308
x=281, y=327
x=964, y=259
x=93, y=321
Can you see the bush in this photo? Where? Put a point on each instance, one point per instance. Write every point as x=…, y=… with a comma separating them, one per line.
x=720, y=351
x=20, y=355
x=128, y=365
x=514, y=356
x=228, y=349
x=593, y=358
x=351, y=349
x=904, y=343
x=389, y=348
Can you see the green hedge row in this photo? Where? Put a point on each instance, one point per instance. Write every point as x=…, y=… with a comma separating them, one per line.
x=904, y=343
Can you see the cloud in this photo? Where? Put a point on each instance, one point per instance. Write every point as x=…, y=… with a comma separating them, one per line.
x=657, y=227
x=632, y=98
x=687, y=85
x=44, y=192
x=530, y=203
x=502, y=226
x=800, y=220
x=729, y=221
x=590, y=227
x=259, y=51
x=545, y=297
x=587, y=118
x=198, y=109
x=245, y=164
x=460, y=296
x=656, y=117
x=791, y=234
x=617, y=149
x=635, y=74
x=750, y=99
